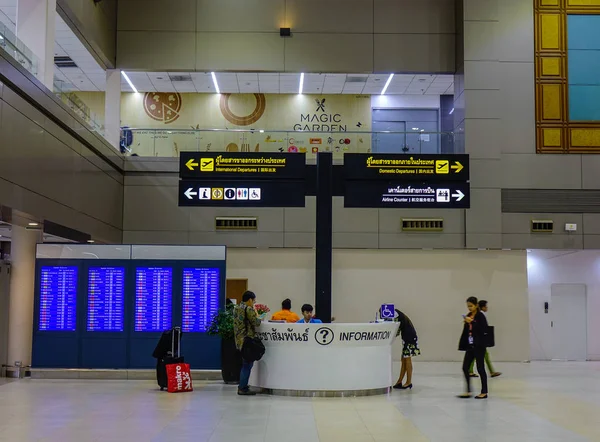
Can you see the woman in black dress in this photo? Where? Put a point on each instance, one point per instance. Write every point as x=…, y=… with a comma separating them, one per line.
x=473, y=343
x=410, y=349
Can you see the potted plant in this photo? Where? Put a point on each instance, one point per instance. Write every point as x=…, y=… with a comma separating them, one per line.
x=231, y=360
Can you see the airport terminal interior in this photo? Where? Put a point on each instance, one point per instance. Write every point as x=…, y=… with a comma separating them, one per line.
x=299, y=220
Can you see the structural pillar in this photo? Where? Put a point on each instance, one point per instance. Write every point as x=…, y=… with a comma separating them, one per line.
x=20, y=310
x=112, y=107
x=324, y=236
x=36, y=28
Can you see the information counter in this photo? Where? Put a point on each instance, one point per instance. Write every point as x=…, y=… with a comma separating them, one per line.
x=325, y=359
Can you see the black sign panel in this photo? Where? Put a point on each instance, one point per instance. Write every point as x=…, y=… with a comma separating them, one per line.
x=238, y=193
x=244, y=165
x=396, y=167
x=407, y=195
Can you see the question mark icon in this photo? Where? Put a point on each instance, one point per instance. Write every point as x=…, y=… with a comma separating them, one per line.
x=324, y=336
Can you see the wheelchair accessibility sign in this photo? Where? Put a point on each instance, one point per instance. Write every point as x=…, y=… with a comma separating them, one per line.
x=387, y=311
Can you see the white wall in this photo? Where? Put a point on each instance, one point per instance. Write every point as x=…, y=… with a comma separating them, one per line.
x=547, y=267
x=429, y=286
x=405, y=101
x=275, y=274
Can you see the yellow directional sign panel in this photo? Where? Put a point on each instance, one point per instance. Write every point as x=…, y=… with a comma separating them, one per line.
x=244, y=165
x=207, y=164
x=406, y=167
x=442, y=166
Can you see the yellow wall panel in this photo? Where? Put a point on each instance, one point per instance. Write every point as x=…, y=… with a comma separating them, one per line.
x=549, y=2
x=552, y=137
x=585, y=137
x=551, y=102
x=551, y=66
x=575, y=3
x=550, y=31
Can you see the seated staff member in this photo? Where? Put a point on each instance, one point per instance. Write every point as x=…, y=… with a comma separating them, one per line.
x=307, y=313
x=286, y=314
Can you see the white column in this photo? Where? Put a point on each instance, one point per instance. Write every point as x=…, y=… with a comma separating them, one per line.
x=36, y=28
x=112, y=107
x=20, y=310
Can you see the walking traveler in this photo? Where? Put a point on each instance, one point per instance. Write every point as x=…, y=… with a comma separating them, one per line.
x=473, y=343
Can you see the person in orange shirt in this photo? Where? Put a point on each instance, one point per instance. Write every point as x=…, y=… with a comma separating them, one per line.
x=286, y=314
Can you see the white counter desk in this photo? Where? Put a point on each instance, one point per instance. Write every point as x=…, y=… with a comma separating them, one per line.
x=325, y=359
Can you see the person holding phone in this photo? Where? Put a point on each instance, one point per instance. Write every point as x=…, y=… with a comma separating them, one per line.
x=473, y=343
x=483, y=306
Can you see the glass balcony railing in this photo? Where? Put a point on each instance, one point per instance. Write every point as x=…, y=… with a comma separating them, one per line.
x=16, y=49
x=78, y=106
x=169, y=143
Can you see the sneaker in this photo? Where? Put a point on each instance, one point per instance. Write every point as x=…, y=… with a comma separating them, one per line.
x=246, y=393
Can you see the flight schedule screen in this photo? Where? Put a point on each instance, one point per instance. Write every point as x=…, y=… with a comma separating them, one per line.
x=153, y=294
x=106, y=299
x=58, y=298
x=200, y=298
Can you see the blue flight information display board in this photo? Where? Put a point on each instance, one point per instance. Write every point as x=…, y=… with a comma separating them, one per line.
x=200, y=298
x=106, y=299
x=153, y=298
x=58, y=298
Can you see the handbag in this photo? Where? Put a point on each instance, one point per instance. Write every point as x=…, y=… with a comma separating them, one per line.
x=252, y=349
x=490, y=339
x=179, y=378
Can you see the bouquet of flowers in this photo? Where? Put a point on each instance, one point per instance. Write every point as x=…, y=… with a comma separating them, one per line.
x=261, y=309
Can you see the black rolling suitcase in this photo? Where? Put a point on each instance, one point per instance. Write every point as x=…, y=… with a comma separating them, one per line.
x=167, y=351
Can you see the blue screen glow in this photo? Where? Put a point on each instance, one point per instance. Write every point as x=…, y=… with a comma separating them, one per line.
x=200, y=298
x=58, y=298
x=106, y=299
x=153, y=294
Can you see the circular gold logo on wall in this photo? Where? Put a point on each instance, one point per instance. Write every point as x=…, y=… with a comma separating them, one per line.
x=253, y=117
x=162, y=106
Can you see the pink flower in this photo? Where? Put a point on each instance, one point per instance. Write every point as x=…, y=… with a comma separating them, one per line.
x=261, y=308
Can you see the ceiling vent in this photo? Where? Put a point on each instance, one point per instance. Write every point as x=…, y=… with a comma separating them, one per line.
x=542, y=226
x=185, y=77
x=356, y=79
x=422, y=224
x=64, y=62
x=236, y=223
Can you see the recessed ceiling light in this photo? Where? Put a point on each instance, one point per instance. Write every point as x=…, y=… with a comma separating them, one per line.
x=214, y=79
x=33, y=224
x=387, y=83
x=301, y=83
x=91, y=241
x=129, y=81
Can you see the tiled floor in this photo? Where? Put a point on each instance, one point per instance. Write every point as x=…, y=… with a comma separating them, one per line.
x=547, y=402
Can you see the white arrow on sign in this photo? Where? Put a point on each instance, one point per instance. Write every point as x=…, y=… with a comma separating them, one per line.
x=190, y=193
x=458, y=195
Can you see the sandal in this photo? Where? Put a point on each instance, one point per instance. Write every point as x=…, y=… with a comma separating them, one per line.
x=473, y=375
x=464, y=396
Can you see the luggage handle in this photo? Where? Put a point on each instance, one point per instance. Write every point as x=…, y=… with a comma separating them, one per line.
x=178, y=330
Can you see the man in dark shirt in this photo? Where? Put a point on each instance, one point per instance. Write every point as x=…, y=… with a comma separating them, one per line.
x=245, y=321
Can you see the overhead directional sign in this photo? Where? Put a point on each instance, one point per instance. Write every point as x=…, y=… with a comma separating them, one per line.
x=244, y=165
x=407, y=195
x=406, y=167
x=240, y=193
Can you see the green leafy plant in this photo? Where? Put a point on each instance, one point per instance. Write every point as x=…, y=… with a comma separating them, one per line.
x=222, y=323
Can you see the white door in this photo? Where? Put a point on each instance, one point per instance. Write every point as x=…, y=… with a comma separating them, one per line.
x=568, y=312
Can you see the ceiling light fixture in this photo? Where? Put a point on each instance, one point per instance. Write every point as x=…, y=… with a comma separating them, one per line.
x=91, y=241
x=1, y=37
x=301, y=83
x=129, y=81
x=451, y=111
x=33, y=224
x=214, y=78
x=387, y=83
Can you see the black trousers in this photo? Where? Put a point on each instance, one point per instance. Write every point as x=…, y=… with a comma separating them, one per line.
x=477, y=353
